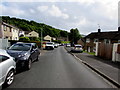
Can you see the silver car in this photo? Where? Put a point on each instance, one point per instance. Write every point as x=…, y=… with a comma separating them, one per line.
x=77, y=48
x=7, y=68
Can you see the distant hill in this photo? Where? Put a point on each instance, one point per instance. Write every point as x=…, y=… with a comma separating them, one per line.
x=32, y=25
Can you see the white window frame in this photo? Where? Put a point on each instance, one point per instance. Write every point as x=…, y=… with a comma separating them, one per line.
x=118, y=41
x=87, y=40
x=107, y=41
x=96, y=40
x=5, y=28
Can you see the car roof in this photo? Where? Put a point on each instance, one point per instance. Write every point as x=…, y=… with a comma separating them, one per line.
x=25, y=43
x=49, y=42
x=3, y=52
x=78, y=45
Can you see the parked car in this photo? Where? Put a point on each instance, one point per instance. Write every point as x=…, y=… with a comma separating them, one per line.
x=68, y=45
x=56, y=45
x=77, y=48
x=49, y=45
x=24, y=54
x=7, y=68
x=61, y=44
x=43, y=45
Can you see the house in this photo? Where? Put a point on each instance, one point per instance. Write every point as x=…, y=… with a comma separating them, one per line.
x=21, y=33
x=53, y=38
x=8, y=31
x=81, y=41
x=48, y=38
x=31, y=34
x=62, y=38
x=103, y=37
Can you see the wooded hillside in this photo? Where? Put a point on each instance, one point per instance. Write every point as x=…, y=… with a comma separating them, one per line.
x=32, y=25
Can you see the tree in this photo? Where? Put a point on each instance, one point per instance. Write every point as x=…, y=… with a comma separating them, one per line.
x=74, y=36
x=63, y=33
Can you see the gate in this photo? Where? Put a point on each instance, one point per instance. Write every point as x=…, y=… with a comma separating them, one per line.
x=105, y=50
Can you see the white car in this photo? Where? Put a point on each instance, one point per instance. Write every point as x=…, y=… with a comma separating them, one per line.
x=56, y=45
x=77, y=48
x=49, y=45
x=7, y=68
x=68, y=45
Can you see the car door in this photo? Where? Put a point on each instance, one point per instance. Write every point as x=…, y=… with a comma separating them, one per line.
x=33, y=52
x=1, y=70
x=36, y=51
x=4, y=66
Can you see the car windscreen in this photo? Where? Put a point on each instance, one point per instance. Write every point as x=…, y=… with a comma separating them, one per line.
x=20, y=47
x=78, y=46
x=50, y=43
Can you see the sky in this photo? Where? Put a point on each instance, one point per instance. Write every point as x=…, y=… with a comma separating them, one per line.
x=86, y=15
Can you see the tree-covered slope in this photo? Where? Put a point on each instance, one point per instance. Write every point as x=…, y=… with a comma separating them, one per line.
x=32, y=25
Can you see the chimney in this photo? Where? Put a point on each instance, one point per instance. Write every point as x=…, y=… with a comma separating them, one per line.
x=99, y=30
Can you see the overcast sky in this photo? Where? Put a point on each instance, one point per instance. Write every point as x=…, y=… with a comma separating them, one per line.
x=66, y=14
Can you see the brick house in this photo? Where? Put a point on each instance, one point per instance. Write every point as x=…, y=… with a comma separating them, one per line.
x=8, y=31
x=103, y=37
x=31, y=34
x=81, y=41
x=48, y=38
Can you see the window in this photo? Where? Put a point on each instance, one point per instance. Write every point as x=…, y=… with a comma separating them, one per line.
x=87, y=40
x=13, y=30
x=118, y=41
x=5, y=28
x=6, y=37
x=3, y=58
x=107, y=41
x=96, y=40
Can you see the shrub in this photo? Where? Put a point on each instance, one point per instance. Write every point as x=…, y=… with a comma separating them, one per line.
x=34, y=39
x=22, y=39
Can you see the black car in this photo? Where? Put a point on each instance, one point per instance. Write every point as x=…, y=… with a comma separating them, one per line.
x=24, y=54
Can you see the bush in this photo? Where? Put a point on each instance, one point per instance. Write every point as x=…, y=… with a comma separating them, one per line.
x=57, y=41
x=22, y=39
x=34, y=39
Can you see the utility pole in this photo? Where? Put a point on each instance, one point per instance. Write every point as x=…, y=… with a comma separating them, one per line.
x=41, y=37
x=67, y=37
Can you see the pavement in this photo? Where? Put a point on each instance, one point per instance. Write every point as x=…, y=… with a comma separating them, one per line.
x=107, y=68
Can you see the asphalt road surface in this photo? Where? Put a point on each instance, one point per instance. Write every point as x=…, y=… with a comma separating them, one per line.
x=58, y=69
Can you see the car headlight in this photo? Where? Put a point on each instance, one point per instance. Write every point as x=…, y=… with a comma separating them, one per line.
x=22, y=55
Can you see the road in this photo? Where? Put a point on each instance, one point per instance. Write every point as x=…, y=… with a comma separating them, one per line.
x=58, y=69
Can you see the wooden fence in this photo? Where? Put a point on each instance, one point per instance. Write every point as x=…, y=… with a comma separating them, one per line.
x=105, y=50
x=118, y=49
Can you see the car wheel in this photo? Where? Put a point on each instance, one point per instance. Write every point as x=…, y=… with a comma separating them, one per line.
x=10, y=78
x=29, y=64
